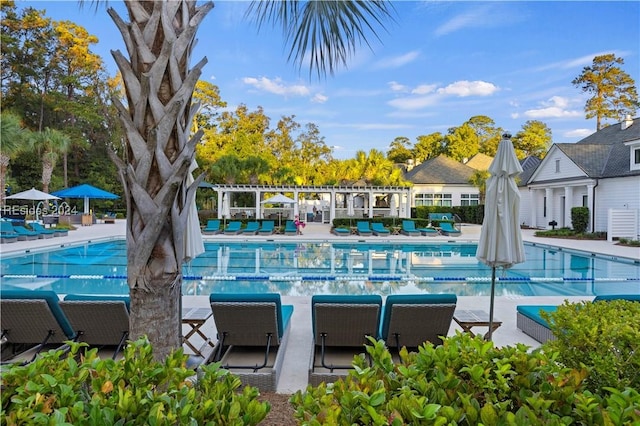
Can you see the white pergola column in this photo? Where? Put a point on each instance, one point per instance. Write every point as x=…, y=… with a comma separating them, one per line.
x=548, y=193
x=568, y=203
x=590, y=197
x=533, y=216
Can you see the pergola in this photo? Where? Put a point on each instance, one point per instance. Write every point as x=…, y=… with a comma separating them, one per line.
x=330, y=202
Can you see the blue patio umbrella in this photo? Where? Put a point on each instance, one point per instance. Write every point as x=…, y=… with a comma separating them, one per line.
x=86, y=192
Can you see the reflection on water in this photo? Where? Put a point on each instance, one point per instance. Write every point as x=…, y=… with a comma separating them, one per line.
x=302, y=269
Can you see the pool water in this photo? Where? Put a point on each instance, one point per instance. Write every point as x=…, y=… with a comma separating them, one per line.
x=301, y=269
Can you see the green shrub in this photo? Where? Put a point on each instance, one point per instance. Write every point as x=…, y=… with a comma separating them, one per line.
x=69, y=389
x=580, y=219
x=603, y=337
x=464, y=381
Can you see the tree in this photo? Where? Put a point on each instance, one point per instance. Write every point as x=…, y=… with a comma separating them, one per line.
x=533, y=140
x=50, y=143
x=614, y=92
x=428, y=147
x=400, y=150
x=12, y=137
x=157, y=123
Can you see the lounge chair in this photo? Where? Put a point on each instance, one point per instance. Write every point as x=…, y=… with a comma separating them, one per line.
x=252, y=228
x=448, y=229
x=47, y=233
x=100, y=321
x=429, y=231
x=377, y=228
x=409, y=228
x=212, y=228
x=109, y=217
x=31, y=322
x=290, y=228
x=25, y=233
x=253, y=330
x=529, y=319
x=340, y=326
x=56, y=232
x=363, y=228
x=233, y=228
x=267, y=227
x=343, y=232
x=7, y=233
x=411, y=320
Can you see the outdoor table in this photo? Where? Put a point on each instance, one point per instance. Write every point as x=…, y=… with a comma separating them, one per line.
x=467, y=319
x=195, y=318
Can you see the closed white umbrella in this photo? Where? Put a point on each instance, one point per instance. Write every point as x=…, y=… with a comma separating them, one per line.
x=193, y=244
x=350, y=209
x=500, y=244
x=393, y=205
x=226, y=208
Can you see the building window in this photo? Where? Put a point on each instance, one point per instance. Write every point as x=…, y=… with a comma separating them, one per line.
x=585, y=200
x=557, y=166
x=636, y=155
x=433, y=200
x=544, y=207
x=469, y=199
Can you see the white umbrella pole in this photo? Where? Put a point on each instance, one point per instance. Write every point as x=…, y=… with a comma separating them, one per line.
x=493, y=290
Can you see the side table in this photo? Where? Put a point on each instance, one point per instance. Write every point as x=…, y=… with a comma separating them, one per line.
x=195, y=318
x=467, y=319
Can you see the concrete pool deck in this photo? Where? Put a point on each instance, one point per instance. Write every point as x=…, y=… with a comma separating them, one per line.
x=294, y=374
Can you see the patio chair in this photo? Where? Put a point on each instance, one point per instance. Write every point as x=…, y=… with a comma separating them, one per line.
x=100, y=321
x=7, y=233
x=340, y=327
x=409, y=228
x=253, y=331
x=36, y=227
x=25, y=233
x=233, y=228
x=363, y=228
x=267, y=228
x=428, y=232
x=212, y=228
x=343, y=232
x=252, y=228
x=411, y=320
x=377, y=228
x=31, y=322
x=56, y=232
x=448, y=229
x=290, y=228
x=529, y=317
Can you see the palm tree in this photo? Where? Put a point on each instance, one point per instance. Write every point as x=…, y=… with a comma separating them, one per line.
x=12, y=137
x=159, y=146
x=51, y=144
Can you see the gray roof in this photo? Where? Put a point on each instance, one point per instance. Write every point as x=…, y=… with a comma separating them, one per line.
x=441, y=169
x=529, y=165
x=603, y=154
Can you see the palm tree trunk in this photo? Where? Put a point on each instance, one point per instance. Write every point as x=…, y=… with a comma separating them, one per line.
x=157, y=122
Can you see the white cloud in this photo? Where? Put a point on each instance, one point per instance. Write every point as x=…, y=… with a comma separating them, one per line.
x=466, y=88
x=397, y=87
x=319, y=98
x=555, y=107
x=398, y=61
x=424, y=89
x=277, y=87
x=578, y=133
x=410, y=103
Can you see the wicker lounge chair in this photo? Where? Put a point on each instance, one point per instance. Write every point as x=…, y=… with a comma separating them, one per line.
x=411, y=320
x=100, y=321
x=233, y=228
x=342, y=232
x=56, y=232
x=24, y=232
x=251, y=229
x=529, y=319
x=290, y=228
x=377, y=228
x=363, y=228
x=31, y=322
x=409, y=228
x=212, y=228
x=47, y=233
x=429, y=232
x=340, y=326
x=447, y=228
x=253, y=330
x=267, y=228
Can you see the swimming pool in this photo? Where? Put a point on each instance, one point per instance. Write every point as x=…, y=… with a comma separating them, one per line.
x=302, y=269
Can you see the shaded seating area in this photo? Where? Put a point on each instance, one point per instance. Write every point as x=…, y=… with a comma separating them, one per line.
x=100, y=321
x=252, y=331
x=340, y=326
x=378, y=229
x=362, y=228
x=410, y=320
x=212, y=228
x=409, y=228
x=530, y=321
x=267, y=227
x=233, y=228
x=252, y=228
x=31, y=322
x=446, y=228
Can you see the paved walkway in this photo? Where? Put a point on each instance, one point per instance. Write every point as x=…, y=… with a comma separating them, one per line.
x=294, y=375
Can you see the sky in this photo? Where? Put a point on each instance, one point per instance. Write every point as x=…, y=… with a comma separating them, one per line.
x=437, y=64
